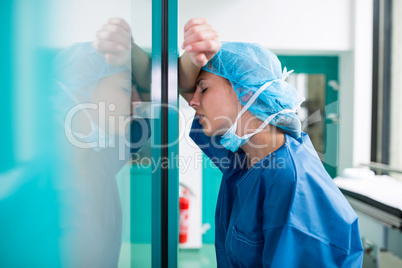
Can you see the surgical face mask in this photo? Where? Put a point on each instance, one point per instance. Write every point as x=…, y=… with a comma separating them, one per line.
x=97, y=135
x=231, y=141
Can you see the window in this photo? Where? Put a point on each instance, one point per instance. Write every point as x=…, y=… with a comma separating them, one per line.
x=386, y=144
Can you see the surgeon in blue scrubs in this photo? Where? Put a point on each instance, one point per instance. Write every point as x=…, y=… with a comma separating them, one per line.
x=277, y=205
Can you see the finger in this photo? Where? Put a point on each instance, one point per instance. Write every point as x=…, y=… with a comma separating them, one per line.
x=194, y=21
x=120, y=22
x=117, y=29
x=196, y=29
x=104, y=47
x=112, y=59
x=201, y=60
x=199, y=37
x=208, y=46
x=114, y=37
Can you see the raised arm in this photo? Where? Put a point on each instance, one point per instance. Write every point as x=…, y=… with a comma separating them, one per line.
x=115, y=42
x=201, y=43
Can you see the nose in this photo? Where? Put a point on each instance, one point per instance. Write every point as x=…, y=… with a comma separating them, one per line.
x=195, y=100
x=135, y=96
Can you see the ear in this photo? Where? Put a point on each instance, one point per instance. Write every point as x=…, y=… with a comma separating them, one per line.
x=246, y=96
x=228, y=85
x=228, y=82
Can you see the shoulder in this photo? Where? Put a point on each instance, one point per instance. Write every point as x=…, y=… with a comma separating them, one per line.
x=279, y=175
x=280, y=166
x=303, y=148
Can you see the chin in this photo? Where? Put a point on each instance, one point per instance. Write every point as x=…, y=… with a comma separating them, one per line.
x=209, y=134
x=213, y=132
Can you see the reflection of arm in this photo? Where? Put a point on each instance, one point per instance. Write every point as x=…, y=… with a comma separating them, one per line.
x=115, y=43
x=141, y=67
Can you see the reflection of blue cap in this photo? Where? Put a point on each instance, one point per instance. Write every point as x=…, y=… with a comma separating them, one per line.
x=79, y=67
x=249, y=66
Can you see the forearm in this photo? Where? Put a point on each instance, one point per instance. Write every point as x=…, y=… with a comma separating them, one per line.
x=141, y=67
x=188, y=73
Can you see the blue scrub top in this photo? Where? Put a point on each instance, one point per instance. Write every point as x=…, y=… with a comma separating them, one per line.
x=285, y=211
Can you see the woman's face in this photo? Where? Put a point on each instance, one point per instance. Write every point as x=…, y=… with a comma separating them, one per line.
x=215, y=102
x=115, y=93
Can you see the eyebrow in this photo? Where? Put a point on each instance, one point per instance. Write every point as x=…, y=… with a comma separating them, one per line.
x=125, y=81
x=199, y=81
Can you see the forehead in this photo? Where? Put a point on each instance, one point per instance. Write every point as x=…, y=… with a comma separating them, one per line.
x=118, y=77
x=123, y=75
x=205, y=75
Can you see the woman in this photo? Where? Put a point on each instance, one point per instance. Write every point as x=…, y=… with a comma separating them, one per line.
x=277, y=206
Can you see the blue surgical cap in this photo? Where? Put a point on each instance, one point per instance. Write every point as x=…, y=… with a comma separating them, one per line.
x=249, y=66
x=79, y=68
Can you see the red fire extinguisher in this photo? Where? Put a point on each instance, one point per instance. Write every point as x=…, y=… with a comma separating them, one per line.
x=183, y=218
x=184, y=204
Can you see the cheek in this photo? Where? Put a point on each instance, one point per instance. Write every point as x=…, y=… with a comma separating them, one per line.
x=227, y=116
x=120, y=100
x=221, y=114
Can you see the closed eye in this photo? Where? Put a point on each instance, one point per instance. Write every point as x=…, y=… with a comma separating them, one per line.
x=203, y=90
x=128, y=90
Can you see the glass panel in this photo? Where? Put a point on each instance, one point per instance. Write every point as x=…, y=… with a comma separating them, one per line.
x=112, y=195
x=396, y=84
x=312, y=111
x=76, y=187
x=139, y=212
x=29, y=225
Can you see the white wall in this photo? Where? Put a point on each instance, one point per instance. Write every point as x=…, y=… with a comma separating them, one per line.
x=77, y=21
x=276, y=24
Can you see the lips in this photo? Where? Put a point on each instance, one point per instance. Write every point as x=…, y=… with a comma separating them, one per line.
x=199, y=116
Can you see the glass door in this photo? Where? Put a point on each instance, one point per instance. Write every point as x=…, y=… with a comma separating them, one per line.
x=316, y=79
x=88, y=174
x=165, y=142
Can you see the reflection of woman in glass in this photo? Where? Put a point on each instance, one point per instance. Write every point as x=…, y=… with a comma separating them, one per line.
x=94, y=105
x=98, y=84
x=277, y=206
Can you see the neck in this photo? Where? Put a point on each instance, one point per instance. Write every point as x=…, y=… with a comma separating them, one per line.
x=262, y=144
